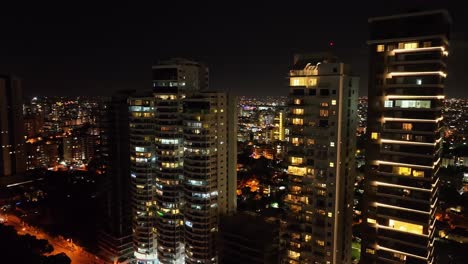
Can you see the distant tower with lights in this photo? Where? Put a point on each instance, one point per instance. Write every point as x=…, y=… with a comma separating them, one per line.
x=321, y=136
x=408, y=60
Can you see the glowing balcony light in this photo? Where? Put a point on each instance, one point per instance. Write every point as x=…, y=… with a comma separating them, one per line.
x=398, y=230
x=412, y=119
x=415, y=97
x=400, y=252
x=435, y=184
x=377, y=183
x=441, y=48
x=434, y=203
x=378, y=162
x=392, y=74
x=402, y=142
x=400, y=208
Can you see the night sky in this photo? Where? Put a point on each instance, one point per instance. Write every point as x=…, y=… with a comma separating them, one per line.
x=75, y=49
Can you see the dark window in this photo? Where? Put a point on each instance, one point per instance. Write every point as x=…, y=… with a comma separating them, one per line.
x=165, y=74
x=312, y=91
x=324, y=92
x=323, y=123
x=335, y=70
x=333, y=91
x=298, y=92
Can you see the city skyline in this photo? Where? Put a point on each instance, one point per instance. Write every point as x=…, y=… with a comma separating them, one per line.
x=247, y=48
x=259, y=133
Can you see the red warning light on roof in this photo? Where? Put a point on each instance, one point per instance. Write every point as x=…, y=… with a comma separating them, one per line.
x=331, y=43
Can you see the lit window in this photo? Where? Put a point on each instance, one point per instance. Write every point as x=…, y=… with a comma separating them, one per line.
x=312, y=82
x=296, y=160
x=374, y=135
x=371, y=221
x=413, y=103
x=427, y=44
x=408, y=45
x=324, y=104
x=332, y=144
x=411, y=45
x=380, y=48
x=370, y=251
x=293, y=254
x=417, y=173
x=418, y=81
x=332, y=164
x=333, y=102
x=323, y=112
x=297, y=81
x=298, y=121
x=407, y=126
x=406, y=227
x=307, y=238
x=297, y=101
x=298, y=171
x=298, y=111
x=330, y=214
x=295, y=141
x=320, y=242
x=388, y=103
x=310, y=141
x=321, y=192
x=405, y=171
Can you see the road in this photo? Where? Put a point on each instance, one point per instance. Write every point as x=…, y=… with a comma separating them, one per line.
x=77, y=254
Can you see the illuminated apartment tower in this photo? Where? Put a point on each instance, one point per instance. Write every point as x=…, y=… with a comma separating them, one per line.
x=142, y=173
x=407, y=74
x=320, y=131
x=209, y=171
x=173, y=81
x=12, y=148
x=157, y=142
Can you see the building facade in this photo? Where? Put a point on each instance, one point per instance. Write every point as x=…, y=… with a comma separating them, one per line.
x=115, y=236
x=12, y=141
x=208, y=165
x=320, y=131
x=407, y=73
x=170, y=225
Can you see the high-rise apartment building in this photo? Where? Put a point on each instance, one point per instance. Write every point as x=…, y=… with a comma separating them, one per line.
x=12, y=141
x=408, y=60
x=321, y=131
x=209, y=167
x=115, y=236
x=176, y=205
x=143, y=180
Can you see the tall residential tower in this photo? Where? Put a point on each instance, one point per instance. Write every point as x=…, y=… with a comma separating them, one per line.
x=183, y=165
x=12, y=154
x=321, y=135
x=408, y=60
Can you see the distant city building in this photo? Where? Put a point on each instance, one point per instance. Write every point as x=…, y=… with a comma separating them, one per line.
x=249, y=239
x=78, y=148
x=408, y=60
x=182, y=165
x=41, y=153
x=33, y=124
x=279, y=126
x=12, y=154
x=321, y=132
